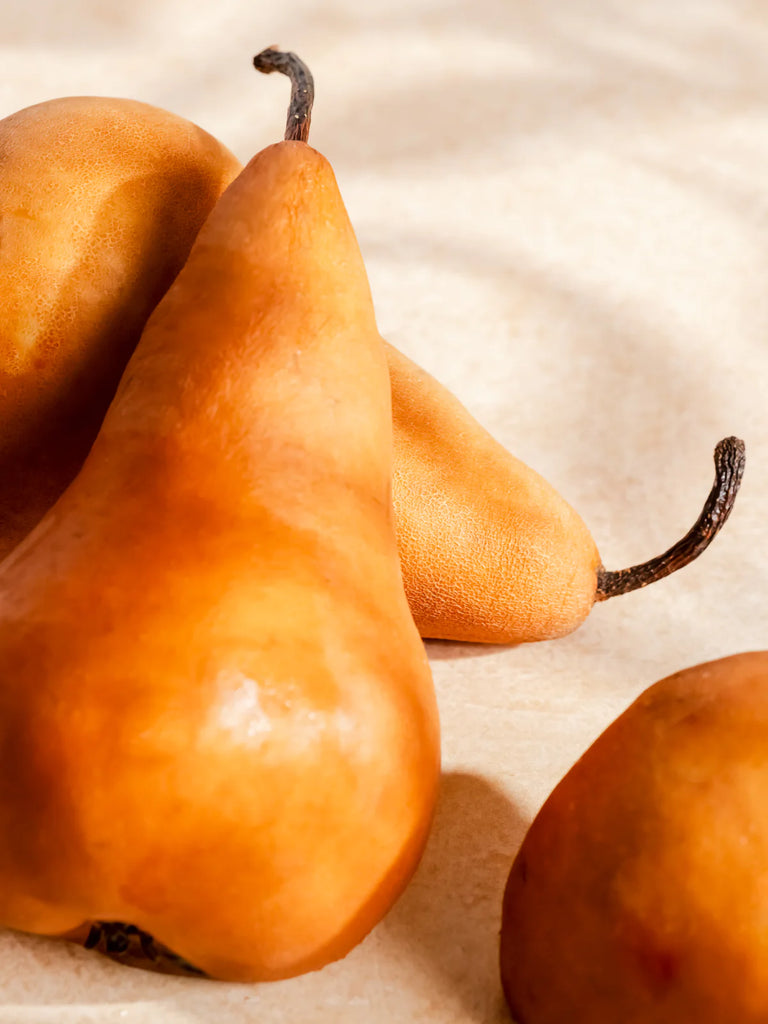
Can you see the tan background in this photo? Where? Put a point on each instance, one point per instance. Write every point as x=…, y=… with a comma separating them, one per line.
x=563, y=205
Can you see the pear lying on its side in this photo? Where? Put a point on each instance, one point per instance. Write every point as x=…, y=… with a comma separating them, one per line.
x=491, y=552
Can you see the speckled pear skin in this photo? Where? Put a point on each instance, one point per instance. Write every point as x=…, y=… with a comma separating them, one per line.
x=100, y=201
x=490, y=551
x=218, y=711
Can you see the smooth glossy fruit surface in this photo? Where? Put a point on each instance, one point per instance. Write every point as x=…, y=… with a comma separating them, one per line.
x=639, y=893
x=218, y=721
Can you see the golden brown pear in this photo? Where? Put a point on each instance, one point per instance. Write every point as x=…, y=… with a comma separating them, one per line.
x=100, y=201
x=217, y=719
x=639, y=893
x=490, y=551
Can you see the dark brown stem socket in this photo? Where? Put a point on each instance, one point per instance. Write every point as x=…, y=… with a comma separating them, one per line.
x=729, y=469
x=130, y=945
x=302, y=89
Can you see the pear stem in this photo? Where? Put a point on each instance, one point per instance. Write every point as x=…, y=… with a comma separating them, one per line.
x=729, y=469
x=302, y=89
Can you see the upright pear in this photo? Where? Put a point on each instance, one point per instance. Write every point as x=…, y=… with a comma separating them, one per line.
x=217, y=716
x=100, y=201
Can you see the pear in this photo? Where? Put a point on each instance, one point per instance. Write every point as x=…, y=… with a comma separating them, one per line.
x=100, y=201
x=491, y=553
x=218, y=721
x=638, y=894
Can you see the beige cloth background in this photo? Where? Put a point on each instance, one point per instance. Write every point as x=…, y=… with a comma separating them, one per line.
x=563, y=205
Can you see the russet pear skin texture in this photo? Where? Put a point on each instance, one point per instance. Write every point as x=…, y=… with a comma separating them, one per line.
x=100, y=201
x=217, y=717
x=490, y=551
x=639, y=893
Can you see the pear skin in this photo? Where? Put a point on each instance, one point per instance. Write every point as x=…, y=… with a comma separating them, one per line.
x=638, y=894
x=100, y=201
x=490, y=551
x=218, y=720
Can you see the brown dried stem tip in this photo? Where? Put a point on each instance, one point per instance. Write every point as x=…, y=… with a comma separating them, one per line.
x=729, y=469
x=302, y=89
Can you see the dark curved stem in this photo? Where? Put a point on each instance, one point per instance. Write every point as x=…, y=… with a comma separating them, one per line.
x=729, y=469
x=302, y=89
